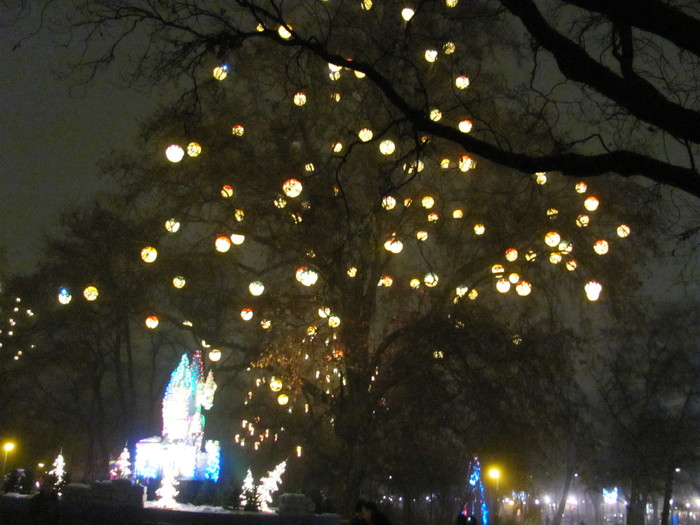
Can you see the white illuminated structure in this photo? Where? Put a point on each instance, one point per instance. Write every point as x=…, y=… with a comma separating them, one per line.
x=181, y=453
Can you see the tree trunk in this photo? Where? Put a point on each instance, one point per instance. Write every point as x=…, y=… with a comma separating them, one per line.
x=564, y=495
x=668, y=493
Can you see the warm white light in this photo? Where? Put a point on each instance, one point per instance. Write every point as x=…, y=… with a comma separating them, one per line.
x=306, y=276
x=152, y=322
x=174, y=153
x=601, y=246
x=462, y=82
x=222, y=244
x=623, y=231
x=284, y=33
x=387, y=147
x=256, y=288
x=431, y=55
x=593, y=290
x=407, y=13
x=220, y=72
x=365, y=134
x=90, y=293
x=149, y=254
x=172, y=225
x=465, y=126
x=299, y=99
x=292, y=188
x=591, y=203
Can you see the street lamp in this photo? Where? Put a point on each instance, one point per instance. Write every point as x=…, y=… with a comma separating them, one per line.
x=7, y=447
x=494, y=473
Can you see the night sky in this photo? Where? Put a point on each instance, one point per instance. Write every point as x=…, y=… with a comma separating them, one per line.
x=52, y=134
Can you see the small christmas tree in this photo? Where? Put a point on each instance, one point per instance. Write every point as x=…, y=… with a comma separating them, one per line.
x=121, y=467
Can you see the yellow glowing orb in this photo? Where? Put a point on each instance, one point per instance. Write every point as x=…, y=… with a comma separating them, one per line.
x=247, y=314
x=237, y=238
x=172, y=225
x=591, y=203
x=179, y=281
x=466, y=163
x=623, y=231
x=387, y=147
x=220, y=72
x=194, y=149
x=365, y=134
x=256, y=288
x=601, y=246
x=282, y=399
x=149, y=254
x=152, y=322
x=238, y=130
x=275, y=384
x=430, y=279
x=226, y=191
x=90, y=293
x=465, y=126
x=299, y=98
x=462, y=82
x=214, y=355
x=552, y=239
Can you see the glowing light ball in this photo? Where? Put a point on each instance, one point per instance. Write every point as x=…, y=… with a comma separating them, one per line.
x=511, y=254
x=591, y=203
x=431, y=55
x=581, y=187
x=64, y=296
x=427, y=202
x=414, y=283
x=238, y=130
x=541, y=177
x=324, y=312
x=385, y=280
x=149, y=254
x=334, y=321
x=275, y=384
x=222, y=244
x=90, y=293
x=497, y=269
x=523, y=288
x=337, y=147
x=174, y=153
x=432, y=217
x=292, y=188
x=435, y=115
x=430, y=279
x=461, y=290
x=582, y=221
x=220, y=72
x=555, y=257
x=226, y=191
x=214, y=355
x=366, y=5
x=237, y=238
x=503, y=285
x=552, y=213
x=422, y=235
x=388, y=202
x=514, y=278
x=172, y=225
x=336, y=96
x=352, y=271
x=601, y=246
x=465, y=126
x=179, y=281
x=299, y=98
x=530, y=256
x=462, y=82
x=407, y=13
x=256, y=288
x=479, y=229
x=265, y=324
x=246, y=314
x=387, y=147
x=306, y=276
x=552, y=239
x=457, y=214
x=393, y=246
x=194, y=149
x=152, y=322
x=365, y=134
x=571, y=265
x=451, y=3
x=565, y=247
x=449, y=48
x=282, y=399
x=239, y=215
x=311, y=330
x=284, y=33
x=473, y=294
x=445, y=163
x=466, y=163
x=623, y=231
x=593, y=290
